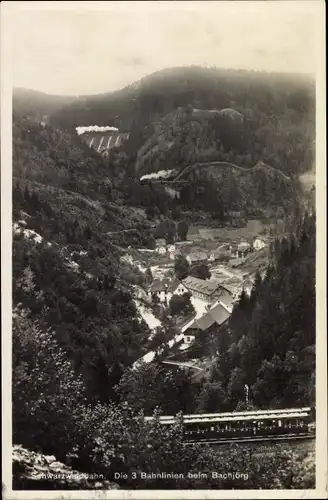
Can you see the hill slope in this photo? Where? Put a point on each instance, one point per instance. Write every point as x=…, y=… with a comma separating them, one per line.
x=66, y=270
x=204, y=154
x=279, y=110
x=261, y=187
x=37, y=104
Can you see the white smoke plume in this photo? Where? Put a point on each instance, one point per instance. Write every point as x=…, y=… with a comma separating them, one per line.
x=162, y=174
x=95, y=128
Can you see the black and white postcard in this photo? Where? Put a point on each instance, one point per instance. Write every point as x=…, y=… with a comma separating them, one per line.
x=163, y=249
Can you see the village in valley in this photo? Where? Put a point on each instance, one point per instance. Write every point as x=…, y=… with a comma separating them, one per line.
x=229, y=260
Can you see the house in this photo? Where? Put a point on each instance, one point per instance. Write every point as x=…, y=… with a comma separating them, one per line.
x=202, y=289
x=161, y=250
x=217, y=315
x=237, y=286
x=197, y=258
x=225, y=296
x=259, y=243
x=235, y=289
x=176, y=287
x=187, y=340
x=160, y=247
x=159, y=289
x=160, y=242
x=233, y=285
x=206, y=290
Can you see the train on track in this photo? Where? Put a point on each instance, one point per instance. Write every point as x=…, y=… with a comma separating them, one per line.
x=248, y=425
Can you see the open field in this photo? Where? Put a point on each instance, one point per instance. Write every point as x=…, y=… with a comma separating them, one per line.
x=227, y=234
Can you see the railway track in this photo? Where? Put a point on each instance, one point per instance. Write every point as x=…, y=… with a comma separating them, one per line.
x=259, y=439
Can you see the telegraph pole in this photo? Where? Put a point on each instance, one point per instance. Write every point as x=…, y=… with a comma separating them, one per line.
x=246, y=389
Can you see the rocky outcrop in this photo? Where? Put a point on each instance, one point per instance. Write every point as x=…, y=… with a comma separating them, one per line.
x=35, y=471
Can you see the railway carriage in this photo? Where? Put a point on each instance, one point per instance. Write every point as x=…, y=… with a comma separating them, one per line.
x=248, y=424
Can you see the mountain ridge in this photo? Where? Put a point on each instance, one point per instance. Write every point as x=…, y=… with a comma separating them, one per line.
x=173, y=85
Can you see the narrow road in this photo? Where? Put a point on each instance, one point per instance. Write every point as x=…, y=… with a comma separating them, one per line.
x=121, y=231
x=186, y=365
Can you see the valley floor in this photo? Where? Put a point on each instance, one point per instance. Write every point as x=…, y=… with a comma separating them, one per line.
x=205, y=239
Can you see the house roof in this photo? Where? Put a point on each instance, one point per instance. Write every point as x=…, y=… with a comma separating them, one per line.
x=203, y=323
x=187, y=325
x=174, y=285
x=225, y=292
x=218, y=314
x=229, y=287
x=197, y=256
x=157, y=286
x=160, y=285
x=232, y=282
x=208, y=287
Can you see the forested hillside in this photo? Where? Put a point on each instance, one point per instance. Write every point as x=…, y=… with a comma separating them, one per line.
x=38, y=104
x=185, y=137
x=181, y=117
x=66, y=269
x=278, y=116
x=269, y=342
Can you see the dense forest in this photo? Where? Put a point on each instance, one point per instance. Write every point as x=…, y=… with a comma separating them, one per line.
x=76, y=329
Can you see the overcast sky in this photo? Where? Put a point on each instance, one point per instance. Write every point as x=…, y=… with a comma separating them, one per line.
x=85, y=48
